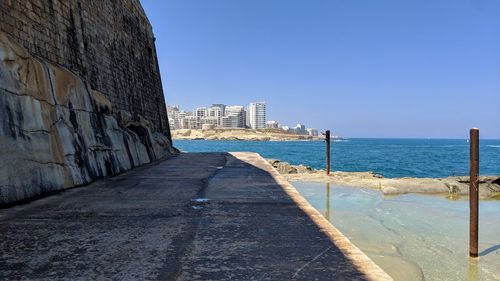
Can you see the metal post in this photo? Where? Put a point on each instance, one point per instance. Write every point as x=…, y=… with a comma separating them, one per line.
x=327, y=139
x=474, y=192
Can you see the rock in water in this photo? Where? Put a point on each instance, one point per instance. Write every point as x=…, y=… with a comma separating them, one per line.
x=56, y=133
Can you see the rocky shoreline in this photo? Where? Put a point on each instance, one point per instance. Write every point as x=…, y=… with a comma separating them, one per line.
x=239, y=135
x=454, y=187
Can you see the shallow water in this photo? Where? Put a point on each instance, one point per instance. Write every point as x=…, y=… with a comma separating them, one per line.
x=412, y=237
x=388, y=157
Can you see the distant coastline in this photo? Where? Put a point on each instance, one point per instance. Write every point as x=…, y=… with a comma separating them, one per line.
x=240, y=135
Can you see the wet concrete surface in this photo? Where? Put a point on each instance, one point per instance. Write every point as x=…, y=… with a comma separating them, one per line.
x=145, y=225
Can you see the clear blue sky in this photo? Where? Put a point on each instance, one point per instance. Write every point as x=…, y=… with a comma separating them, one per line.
x=365, y=68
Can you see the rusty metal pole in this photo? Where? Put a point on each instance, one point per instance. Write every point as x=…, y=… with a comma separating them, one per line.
x=474, y=193
x=327, y=139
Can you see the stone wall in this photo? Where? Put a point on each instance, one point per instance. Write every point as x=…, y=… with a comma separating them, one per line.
x=56, y=132
x=108, y=43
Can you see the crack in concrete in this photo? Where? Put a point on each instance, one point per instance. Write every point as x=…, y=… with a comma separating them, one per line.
x=309, y=262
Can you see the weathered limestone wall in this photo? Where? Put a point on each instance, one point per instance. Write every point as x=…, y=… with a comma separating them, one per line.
x=55, y=132
x=109, y=44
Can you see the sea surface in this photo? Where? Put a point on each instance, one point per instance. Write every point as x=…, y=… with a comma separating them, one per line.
x=412, y=237
x=388, y=157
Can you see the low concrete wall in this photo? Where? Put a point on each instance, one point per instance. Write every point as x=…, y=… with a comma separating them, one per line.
x=359, y=259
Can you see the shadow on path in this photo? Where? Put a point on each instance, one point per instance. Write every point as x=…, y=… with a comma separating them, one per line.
x=144, y=225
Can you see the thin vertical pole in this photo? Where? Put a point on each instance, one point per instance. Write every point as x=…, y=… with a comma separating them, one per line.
x=474, y=193
x=328, y=201
x=327, y=138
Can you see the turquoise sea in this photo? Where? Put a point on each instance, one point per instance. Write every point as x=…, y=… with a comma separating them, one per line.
x=388, y=157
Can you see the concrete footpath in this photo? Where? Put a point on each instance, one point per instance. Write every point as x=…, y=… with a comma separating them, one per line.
x=147, y=224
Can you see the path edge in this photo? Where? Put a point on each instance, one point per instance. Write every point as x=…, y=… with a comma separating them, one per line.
x=358, y=258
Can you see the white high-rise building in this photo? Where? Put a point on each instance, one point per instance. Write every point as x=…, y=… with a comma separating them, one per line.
x=313, y=132
x=247, y=118
x=272, y=125
x=234, y=117
x=173, y=117
x=216, y=113
x=200, y=113
x=257, y=115
x=300, y=129
x=189, y=122
x=221, y=106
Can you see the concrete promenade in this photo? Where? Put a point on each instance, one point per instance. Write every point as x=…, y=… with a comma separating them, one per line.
x=146, y=224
